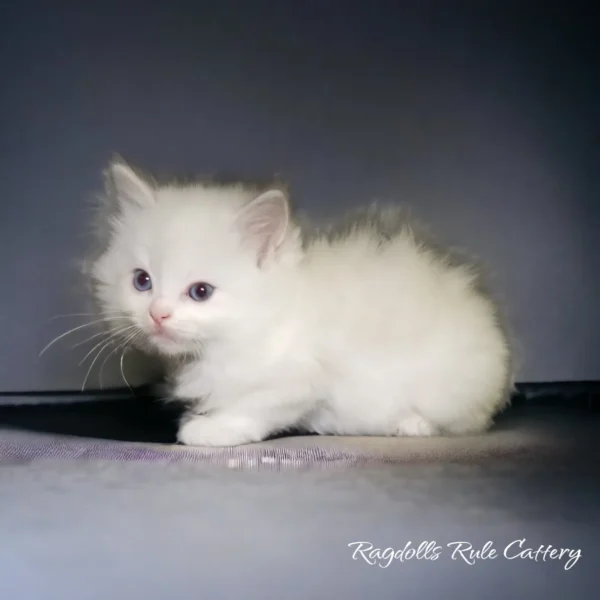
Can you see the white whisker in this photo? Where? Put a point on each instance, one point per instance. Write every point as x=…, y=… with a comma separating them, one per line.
x=104, y=313
x=115, y=349
x=56, y=339
x=90, y=338
x=111, y=336
x=106, y=345
x=122, y=357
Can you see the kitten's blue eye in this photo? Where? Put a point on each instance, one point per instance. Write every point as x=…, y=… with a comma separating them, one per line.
x=141, y=281
x=201, y=291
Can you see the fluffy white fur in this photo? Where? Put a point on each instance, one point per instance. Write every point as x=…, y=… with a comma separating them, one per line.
x=363, y=329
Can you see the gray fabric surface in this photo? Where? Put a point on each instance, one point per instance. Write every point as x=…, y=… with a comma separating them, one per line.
x=86, y=519
x=540, y=434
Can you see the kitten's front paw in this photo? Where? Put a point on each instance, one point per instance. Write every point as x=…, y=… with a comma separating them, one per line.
x=218, y=431
x=415, y=426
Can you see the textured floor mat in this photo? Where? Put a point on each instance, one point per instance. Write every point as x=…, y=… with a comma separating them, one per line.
x=145, y=431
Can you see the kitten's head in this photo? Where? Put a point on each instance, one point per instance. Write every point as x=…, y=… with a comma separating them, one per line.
x=184, y=265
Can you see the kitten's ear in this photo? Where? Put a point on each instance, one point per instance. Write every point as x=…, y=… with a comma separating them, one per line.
x=125, y=187
x=266, y=220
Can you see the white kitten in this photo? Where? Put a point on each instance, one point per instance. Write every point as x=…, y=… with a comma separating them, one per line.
x=360, y=329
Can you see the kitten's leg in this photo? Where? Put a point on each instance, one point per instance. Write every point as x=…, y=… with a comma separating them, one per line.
x=191, y=383
x=414, y=425
x=242, y=423
x=221, y=429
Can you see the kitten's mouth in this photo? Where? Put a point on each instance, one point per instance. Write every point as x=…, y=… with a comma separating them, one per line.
x=165, y=341
x=161, y=335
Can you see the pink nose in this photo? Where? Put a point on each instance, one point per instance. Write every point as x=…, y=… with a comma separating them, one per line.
x=159, y=314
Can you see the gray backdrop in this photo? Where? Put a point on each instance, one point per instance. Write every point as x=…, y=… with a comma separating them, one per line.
x=481, y=115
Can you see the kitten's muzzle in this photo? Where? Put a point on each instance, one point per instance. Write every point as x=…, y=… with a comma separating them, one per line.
x=159, y=313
